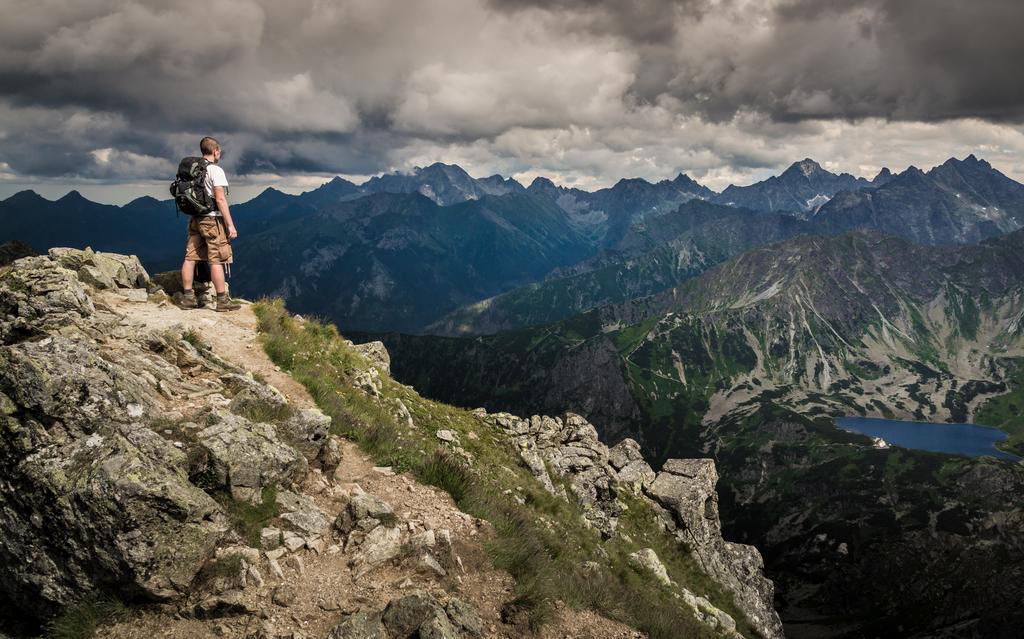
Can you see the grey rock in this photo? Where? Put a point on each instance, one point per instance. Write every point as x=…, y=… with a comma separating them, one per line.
x=438, y=627
x=464, y=616
x=428, y=565
x=686, y=490
x=92, y=501
x=37, y=297
x=376, y=354
x=303, y=513
x=647, y=560
x=137, y=295
x=252, y=396
x=270, y=538
x=362, y=506
x=284, y=595
x=96, y=277
x=622, y=454
x=449, y=436
x=361, y=625
x=403, y=616
x=636, y=476
x=307, y=430
x=103, y=270
x=244, y=457
x=380, y=545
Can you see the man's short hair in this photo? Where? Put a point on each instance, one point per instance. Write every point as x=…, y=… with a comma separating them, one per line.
x=208, y=145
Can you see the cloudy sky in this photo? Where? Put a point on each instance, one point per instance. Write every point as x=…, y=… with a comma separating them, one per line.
x=105, y=96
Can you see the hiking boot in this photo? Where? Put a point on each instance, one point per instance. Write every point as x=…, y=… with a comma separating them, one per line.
x=188, y=300
x=225, y=303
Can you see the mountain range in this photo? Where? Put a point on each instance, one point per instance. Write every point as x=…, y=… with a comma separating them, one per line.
x=553, y=251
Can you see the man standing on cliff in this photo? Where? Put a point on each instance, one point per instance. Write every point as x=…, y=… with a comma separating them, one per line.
x=209, y=235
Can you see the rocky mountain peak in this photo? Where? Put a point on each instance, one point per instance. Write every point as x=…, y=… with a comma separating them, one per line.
x=883, y=176
x=806, y=167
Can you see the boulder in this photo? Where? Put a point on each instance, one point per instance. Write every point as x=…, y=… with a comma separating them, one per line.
x=228, y=604
x=380, y=545
x=363, y=506
x=376, y=354
x=103, y=270
x=38, y=296
x=647, y=560
x=302, y=513
x=404, y=616
x=109, y=512
x=308, y=431
x=625, y=452
x=244, y=457
x=465, y=617
x=686, y=488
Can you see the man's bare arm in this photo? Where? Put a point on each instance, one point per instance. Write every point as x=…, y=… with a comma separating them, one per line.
x=222, y=206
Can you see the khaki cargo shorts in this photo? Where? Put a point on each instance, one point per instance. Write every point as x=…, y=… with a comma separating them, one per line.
x=208, y=241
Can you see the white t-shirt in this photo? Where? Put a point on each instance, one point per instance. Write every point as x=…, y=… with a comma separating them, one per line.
x=214, y=177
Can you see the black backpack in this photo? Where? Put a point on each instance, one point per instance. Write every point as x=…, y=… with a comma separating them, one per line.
x=188, y=188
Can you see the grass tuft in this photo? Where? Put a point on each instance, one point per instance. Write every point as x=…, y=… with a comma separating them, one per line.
x=249, y=519
x=82, y=620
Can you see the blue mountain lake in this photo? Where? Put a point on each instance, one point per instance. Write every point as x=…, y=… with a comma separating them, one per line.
x=960, y=439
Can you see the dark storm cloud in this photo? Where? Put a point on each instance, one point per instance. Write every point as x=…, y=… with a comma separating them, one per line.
x=103, y=89
x=899, y=59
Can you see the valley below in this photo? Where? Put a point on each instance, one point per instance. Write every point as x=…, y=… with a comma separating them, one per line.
x=751, y=363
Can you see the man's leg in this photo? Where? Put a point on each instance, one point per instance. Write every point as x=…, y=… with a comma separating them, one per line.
x=217, y=275
x=188, y=269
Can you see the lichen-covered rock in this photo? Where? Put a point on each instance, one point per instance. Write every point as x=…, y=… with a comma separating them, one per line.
x=376, y=354
x=302, y=513
x=648, y=561
x=244, y=457
x=37, y=296
x=382, y=544
x=569, y=445
x=624, y=453
x=363, y=506
x=112, y=511
x=404, y=616
x=251, y=395
x=308, y=431
x=465, y=617
x=103, y=270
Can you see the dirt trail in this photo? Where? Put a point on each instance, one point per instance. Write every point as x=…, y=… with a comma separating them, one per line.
x=324, y=584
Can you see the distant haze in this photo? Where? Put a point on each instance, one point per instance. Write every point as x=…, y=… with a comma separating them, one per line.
x=105, y=96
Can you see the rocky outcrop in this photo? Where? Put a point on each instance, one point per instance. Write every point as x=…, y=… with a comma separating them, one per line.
x=92, y=499
x=103, y=270
x=566, y=451
x=115, y=438
x=685, y=492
